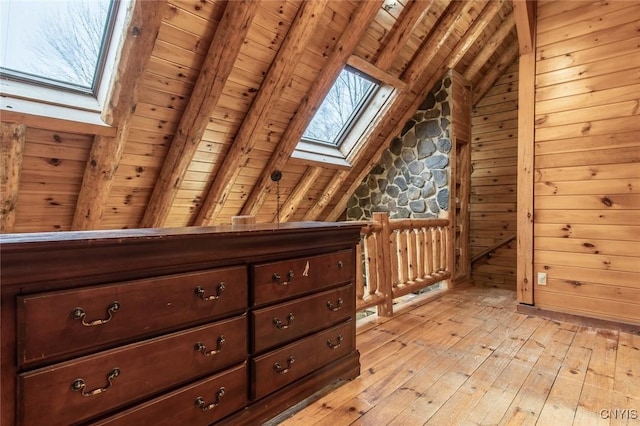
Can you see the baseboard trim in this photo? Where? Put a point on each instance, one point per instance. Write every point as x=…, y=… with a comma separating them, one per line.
x=579, y=319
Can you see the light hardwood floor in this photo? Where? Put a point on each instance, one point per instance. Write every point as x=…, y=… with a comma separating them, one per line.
x=469, y=358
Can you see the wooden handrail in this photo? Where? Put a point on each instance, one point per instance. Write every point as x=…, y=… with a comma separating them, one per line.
x=400, y=256
x=492, y=248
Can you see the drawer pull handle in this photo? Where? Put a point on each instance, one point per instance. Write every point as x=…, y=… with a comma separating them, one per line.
x=336, y=307
x=200, y=292
x=200, y=347
x=340, y=264
x=203, y=405
x=281, y=370
x=278, y=279
x=80, y=314
x=79, y=385
x=278, y=324
x=337, y=344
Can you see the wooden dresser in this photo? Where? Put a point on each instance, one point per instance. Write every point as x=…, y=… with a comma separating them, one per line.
x=194, y=326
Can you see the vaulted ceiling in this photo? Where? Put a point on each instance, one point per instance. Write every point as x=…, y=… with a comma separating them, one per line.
x=211, y=96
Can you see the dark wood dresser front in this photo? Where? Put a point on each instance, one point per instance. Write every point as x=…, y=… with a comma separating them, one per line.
x=196, y=326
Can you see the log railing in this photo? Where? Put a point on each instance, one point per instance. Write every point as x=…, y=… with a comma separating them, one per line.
x=400, y=256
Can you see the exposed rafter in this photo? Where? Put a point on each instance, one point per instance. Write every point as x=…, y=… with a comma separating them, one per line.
x=410, y=17
x=217, y=66
x=11, y=149
x=360, y=20
x=375, y=72
x=106, y=152
x=327, y=195
x=436, y=40
x=471, y=36
x=490, y=47
x=488, y=80
x=302, y=188
x=303, y=27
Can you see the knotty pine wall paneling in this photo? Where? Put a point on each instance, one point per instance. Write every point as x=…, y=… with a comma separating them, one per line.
x=494, y=151
x=587, y=159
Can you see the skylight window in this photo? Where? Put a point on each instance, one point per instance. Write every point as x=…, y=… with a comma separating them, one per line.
x=344, y=119
x=60, y=44
x=342, y=105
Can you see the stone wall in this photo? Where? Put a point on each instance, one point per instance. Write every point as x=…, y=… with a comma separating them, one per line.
x=411, y=179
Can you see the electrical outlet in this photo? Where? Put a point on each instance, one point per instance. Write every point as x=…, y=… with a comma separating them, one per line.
x=542, y=278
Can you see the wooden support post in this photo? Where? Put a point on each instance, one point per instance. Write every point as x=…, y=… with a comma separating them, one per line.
x=526, y=141
x=384, y=254
x=525, y=17
x=11, y=149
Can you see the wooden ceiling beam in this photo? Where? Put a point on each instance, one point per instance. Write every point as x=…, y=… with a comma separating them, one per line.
x=490, y=47
x=410, y=17
x=506, y=59
x=472, y=35
x=142, y=30
x=302, y=29
x=525, y=16
x=11, y=150
x=438, y=37
x=329, y=192
x=217, y=66
x=375, y=72
x=297, y=195
x=360, y=21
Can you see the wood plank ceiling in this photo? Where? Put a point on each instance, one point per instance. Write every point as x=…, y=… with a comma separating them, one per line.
x=212, y=96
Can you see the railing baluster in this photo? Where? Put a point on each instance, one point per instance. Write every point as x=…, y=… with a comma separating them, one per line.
x=413, y=255
x=373, y=264
x=396, y=261
x=420, y=252
x=400, y=256
x=361, y=280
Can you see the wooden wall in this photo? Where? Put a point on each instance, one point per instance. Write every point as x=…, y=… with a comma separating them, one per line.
x=493, y=181
x=587, y=158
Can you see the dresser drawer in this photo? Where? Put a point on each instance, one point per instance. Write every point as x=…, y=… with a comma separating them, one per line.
x=68, y=392
x=289, y=363
x=280, y=280
x=191, y=405
x=56, y=323
x=284, y=322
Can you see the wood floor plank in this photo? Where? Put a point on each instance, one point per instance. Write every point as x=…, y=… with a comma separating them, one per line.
x=469, y=358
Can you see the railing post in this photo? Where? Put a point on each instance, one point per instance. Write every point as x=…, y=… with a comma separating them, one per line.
x=384, y=264
x=451, y=250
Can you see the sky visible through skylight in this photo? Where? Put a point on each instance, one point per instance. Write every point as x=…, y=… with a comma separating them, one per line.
x=54, y=39
x=341, y=105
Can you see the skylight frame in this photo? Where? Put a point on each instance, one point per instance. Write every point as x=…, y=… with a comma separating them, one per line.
x=68, y=101
x=355, y=113
x=353, y=135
